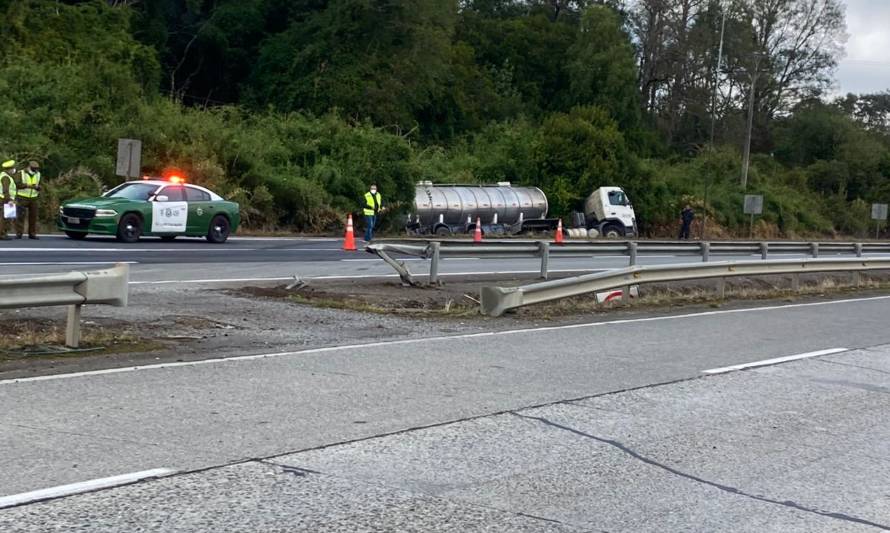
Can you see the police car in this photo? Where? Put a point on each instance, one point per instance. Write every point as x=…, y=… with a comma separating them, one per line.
x=165, y=208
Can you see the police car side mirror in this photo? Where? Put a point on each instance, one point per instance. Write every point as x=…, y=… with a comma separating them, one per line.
x=161, y=198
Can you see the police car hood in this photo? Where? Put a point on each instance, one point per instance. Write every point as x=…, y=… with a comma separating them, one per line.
x=98, y=203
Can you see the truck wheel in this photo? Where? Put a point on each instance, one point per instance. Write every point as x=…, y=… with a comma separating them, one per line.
x=129, y=229
x=612, y=231
x=443, y=231
x=219, y=229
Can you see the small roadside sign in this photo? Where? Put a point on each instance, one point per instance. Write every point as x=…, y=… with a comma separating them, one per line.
x=129, y=158
x=753, y=204
x=879, y=211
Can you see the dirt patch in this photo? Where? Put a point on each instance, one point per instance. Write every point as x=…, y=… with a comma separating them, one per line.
x=461, y=299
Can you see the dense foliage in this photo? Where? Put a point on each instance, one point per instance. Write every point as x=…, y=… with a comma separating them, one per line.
x=292, y=106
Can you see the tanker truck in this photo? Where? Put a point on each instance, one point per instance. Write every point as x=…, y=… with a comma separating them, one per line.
x=503, y=209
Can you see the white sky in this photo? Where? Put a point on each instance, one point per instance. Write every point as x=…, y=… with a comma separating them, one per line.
x=866, y=67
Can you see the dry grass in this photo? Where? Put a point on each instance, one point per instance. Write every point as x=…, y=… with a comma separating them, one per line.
x=26, y=337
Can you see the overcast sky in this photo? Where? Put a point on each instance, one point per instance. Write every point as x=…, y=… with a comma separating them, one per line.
x=866, y=67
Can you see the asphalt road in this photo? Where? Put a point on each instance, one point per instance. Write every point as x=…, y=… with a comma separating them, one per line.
x=263, y=259
x=500, y=431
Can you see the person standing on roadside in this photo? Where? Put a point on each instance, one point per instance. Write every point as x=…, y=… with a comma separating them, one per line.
x=26, y=200
x=7, y=193
x=373, y=207
x=686, y=218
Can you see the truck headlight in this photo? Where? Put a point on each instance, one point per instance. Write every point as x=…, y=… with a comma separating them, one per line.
x=104, y=213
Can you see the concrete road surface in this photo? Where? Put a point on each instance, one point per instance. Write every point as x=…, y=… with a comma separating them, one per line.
x=594, y=427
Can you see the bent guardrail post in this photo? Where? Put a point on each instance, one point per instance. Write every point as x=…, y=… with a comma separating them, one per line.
x=495, y=301
x=74, y=289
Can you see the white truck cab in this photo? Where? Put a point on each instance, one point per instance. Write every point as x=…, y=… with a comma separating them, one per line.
x=609, y=211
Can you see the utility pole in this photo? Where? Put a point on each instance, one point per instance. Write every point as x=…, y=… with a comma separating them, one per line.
x=746, y=161
x=723, y=9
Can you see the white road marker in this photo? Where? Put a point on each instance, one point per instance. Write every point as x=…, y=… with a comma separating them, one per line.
x=775, y=361
x=447, y=338
x=79, y=488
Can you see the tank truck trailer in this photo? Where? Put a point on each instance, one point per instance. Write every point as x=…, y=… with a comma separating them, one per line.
x=445, y=210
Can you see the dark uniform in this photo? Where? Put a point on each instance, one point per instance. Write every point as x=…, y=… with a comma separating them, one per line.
x=686, y=218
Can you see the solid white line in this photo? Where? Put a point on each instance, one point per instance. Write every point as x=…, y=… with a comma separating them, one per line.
x=137, y=250
x=430, y=339
x=79, y=488
x=70, y=263
x=775, y=361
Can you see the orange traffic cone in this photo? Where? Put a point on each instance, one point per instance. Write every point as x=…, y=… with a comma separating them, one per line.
x=477, y=235
x=560, y=238
x=349, y=239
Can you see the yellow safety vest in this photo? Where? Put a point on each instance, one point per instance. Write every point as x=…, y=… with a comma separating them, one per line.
x=372, y=208
x=12, y=191
x=29, y=180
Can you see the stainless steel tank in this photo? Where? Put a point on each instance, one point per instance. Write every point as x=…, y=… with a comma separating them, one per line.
x=455, y=204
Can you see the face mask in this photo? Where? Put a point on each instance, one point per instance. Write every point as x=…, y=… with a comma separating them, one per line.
x=373, y=191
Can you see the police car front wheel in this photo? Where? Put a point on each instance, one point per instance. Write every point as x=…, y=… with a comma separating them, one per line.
x=129, y=229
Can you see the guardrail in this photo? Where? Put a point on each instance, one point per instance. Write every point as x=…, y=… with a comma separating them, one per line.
x=435, y=250
x=495, y=301
x=74, y=289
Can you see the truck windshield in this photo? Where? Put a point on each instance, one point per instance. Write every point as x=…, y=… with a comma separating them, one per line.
x=132, y=191
x=617, y=198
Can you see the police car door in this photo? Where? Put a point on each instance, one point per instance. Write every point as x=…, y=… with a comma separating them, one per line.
x=169, y=216
x=199, y=210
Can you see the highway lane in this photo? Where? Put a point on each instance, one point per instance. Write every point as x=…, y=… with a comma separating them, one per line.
x=73, y=428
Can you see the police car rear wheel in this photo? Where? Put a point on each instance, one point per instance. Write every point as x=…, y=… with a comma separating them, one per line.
x=219, y=230
x=129, y=229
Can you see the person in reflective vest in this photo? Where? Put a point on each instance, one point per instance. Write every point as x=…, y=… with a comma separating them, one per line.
x=28, y=190
x=373, y=207
x=7, y=193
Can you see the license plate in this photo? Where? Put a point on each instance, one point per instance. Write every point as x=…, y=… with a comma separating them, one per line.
x=73, y=220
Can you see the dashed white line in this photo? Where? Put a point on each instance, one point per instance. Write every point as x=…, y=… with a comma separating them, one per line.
x=79, y=488
x=448, y=338
x=775, y=361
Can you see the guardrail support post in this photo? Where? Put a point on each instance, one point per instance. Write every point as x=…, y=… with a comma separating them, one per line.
x=705, y=252
x=764, y=250
x=721, y=288
x=72, y=330
x=434, y=262
x=795, y=282
x=856, y=279
x=814, y=247
x=858, y=247
x=544, y=250
x=625, y=295
x=632, y=252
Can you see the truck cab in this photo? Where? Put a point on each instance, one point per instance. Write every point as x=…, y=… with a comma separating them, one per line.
x=609, y=211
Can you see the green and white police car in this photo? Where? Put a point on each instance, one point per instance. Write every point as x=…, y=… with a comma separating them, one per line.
x=165, y=208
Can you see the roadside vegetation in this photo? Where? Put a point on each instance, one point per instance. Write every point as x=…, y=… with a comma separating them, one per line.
x=291, y=108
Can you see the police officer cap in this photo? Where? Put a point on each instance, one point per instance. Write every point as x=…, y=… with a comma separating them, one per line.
x=34, y=164
x=8, y=164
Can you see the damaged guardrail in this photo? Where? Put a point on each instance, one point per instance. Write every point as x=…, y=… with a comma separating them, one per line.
x=435, y=250
x=495, y=301
x=74, y=289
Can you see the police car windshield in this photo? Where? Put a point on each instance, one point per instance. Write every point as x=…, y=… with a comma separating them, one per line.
x=132, y=191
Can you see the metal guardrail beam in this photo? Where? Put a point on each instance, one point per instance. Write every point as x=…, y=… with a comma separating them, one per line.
x=435, y=250
x=495, y=301
x=74, y=289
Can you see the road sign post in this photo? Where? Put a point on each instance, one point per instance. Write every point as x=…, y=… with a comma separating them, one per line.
x=129, y=158
x=753, y=206
x=878, y=214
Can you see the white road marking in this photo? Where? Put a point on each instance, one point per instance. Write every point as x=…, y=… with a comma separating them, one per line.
x=776, y=361
x=79, y=488
x=138, y=250
x=70, y=263
x=429, y=339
